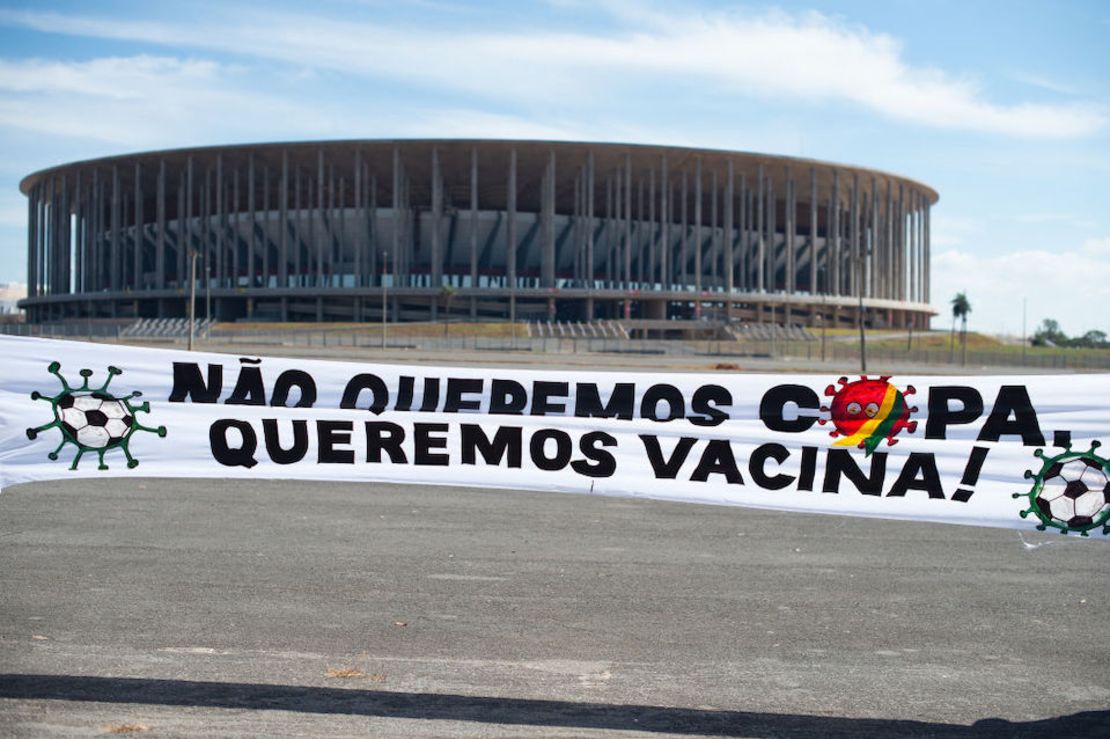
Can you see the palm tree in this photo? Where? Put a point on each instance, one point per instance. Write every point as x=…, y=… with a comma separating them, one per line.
x=961, y=306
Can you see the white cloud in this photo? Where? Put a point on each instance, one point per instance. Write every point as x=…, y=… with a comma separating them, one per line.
x=772, y=54
x=1070, y=286
x=140, y=101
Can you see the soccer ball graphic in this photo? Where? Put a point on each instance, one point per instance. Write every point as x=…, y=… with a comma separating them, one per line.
x=92, y=419
x=96, y=420
x=1071, y=492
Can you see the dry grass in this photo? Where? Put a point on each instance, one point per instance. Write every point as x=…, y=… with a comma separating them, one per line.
x=125, y=728
x=353, y=673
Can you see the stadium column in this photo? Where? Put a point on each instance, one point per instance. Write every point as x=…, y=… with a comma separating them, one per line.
x=730, y=279
x=743, y=259
x=78, y=233
x=653, y=233
x=855, y=258
x=760, y=246
x=683, y=250
x=714, y=272
x=772, y=243
x=372, y=225
x=788, y=223
x=219, y=196
x=32, y=248
x=590, y=235
x=874, y=287
x=928, y=249
x=627, y=253
x=547, y=266
x=697, y=237
x=360, y=242
x=923, y=292
x=607, y=247
x=510, y=244
x=319, y=235
x=889, y=251
x=911, y=239
x=234, y=233
x=283, y=229
x=116, y=281
x=900, y=258
x=474, y=232
x=665, y=230
x=251, y=239
x=186, y=229
x=834, y=209
x=435, y=269
x=160, y=244
x=137, y=234
x=813, y=240
x=395, y=239
x=640, y=225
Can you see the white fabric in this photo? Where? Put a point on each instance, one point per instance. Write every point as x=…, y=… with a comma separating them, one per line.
x=1077, y=404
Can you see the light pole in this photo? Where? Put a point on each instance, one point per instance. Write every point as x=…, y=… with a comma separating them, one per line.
x=192, y=297
x=862, y=333
x=385, y=305
x=207, y=295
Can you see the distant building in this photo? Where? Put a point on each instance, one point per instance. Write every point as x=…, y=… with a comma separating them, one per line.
x=486, y=229
x=10, y=294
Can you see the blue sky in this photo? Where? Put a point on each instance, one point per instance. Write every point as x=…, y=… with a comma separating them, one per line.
x=1004, y=108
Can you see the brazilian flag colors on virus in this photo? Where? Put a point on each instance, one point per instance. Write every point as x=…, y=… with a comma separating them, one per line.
x=1014, y=452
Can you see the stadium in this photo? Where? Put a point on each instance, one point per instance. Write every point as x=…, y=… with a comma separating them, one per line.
x=477, y=230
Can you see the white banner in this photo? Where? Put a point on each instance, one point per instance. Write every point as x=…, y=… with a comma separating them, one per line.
x=1010, y=451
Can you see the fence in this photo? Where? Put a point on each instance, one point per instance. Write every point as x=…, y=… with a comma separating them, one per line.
x=724, y=350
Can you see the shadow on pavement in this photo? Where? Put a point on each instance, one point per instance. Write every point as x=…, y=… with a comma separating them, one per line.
x=514, y=711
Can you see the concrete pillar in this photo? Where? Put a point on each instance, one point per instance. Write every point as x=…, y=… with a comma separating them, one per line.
x=510, y=246
x=473, y=229
x=665, y=199
x=813, y=231
x=729, y=203
x=761, y=245
x=547, y=257
x=697, y=235
x=436, y=268
x=834, y=209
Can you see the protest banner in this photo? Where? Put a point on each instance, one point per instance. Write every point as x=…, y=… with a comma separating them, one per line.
x=1012, y=451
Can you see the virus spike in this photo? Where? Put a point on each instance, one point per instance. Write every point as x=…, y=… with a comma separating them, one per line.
x=132, y=463
x=54, y=454
x=85, y=375
x=54, y=369
x=143, y=407
x=77, y=458
x=100, y=454
x=112, y=372
x=33, y=433
x=884, y=378
x=831, y=390
x=910, y=390
x=911, y=427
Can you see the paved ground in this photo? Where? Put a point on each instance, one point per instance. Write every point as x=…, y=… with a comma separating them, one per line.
x=198, y=608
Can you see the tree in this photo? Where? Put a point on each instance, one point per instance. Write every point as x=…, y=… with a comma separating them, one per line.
x=961, y=306
x=1049, y=334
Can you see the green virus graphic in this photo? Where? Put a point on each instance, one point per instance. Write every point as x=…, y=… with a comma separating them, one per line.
x=92, y=419
x=1071, y=491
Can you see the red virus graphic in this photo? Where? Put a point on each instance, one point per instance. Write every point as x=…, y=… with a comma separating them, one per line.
x=867, y=411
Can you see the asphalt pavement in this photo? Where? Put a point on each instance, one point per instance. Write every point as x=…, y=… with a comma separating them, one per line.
x=200, y=608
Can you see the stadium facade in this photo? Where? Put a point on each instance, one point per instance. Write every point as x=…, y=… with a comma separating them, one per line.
x=334, y=231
